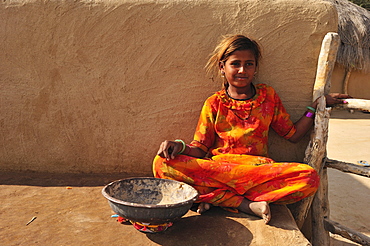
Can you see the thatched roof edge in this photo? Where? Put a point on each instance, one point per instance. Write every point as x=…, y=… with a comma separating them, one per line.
x=354, y=32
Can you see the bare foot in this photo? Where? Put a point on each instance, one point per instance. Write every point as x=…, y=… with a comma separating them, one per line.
x=203, y=207
x=261, y=209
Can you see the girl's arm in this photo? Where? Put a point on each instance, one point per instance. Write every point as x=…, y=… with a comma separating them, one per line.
x=169, y=150
x=305, y=123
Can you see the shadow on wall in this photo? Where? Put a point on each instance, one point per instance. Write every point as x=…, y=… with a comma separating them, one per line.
x=59, y=179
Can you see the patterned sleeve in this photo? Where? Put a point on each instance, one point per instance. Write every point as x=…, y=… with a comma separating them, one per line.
x=204, y=136
x=281, y=122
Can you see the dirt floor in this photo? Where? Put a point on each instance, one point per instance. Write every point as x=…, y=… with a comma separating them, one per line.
x=70, y=209
x=349, y=194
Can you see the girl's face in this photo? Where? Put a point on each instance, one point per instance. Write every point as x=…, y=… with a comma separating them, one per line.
x=239, y=68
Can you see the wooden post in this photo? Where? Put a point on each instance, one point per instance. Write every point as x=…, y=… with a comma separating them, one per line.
x=320, y=212
x=315, y=157
x=316, y=150
x=325, y=66
x=346, y=80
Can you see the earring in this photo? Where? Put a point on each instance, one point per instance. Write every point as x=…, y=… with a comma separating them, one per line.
x=222, y=74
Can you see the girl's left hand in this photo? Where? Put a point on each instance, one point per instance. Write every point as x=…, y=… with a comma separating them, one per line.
x=336, y=98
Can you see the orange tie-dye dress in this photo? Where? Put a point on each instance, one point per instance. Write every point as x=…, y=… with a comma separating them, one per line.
x=235, y=134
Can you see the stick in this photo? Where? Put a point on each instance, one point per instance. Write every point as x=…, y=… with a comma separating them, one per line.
x=336, y=228
x=29, y=222
x=357, y=104
x=348, y=167
x=346, y=80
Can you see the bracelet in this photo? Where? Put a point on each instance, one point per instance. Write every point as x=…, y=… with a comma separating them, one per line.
x=311, y=108
x=183, y=145
x=309, y=114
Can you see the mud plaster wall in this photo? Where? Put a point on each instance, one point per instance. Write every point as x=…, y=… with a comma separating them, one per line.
x=95, y=86
x=358, y=84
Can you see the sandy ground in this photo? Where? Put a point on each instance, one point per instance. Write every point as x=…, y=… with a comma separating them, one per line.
x=70, y=209
x=349, y=194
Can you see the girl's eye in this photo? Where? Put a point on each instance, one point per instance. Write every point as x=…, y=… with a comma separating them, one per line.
x=238, y=64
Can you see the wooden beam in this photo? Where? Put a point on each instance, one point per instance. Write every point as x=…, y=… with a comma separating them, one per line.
x=348, y=167
x=346, y=232
x=356, y=104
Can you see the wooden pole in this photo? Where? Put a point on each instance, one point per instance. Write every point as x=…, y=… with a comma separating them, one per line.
x=320, y=211
x=325, y=66
x=315, y=157
x=346, y=232
x=348, y=167
x=316, y=150
x=346, y=80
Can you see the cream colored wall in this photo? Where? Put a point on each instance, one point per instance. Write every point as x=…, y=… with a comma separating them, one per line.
x=358, y=84
x=95, y=86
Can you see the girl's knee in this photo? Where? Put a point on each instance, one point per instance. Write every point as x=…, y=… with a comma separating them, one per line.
x=157, y=164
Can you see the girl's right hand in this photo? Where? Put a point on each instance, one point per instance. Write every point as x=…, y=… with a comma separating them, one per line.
x=169, y=149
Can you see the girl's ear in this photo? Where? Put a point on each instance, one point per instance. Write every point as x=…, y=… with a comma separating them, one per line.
x=221, y=66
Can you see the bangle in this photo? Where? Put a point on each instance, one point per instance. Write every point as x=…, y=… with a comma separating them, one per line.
x=309, y=114
x=183, y=145
x=311, y=108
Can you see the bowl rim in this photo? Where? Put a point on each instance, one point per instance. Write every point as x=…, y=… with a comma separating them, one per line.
x=132, y=204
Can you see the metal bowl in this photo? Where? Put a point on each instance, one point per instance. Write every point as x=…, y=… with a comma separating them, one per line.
x=150, y=200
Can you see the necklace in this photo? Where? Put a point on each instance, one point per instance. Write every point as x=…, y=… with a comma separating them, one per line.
x=253, y=94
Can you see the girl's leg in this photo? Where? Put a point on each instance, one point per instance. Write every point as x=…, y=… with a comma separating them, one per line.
x=228, y=179
x=200, y=174
x=294, y=182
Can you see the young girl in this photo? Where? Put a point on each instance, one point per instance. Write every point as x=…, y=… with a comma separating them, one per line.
x=227, y=162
